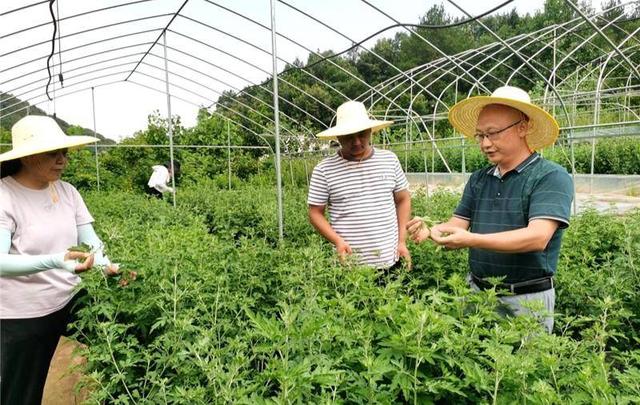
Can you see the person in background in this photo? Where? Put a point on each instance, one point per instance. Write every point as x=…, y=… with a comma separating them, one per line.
x=41, y=218
x=513, y=213
x=161, y=178
x=365, y=191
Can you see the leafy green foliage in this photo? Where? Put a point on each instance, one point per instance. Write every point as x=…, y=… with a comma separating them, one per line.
x=220, y=313
x=83, y=247
x=612, y=156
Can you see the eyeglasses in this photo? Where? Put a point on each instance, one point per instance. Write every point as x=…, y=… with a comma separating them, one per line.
x=493, y=135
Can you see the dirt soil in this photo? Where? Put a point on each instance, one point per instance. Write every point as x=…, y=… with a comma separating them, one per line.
x=59, y=389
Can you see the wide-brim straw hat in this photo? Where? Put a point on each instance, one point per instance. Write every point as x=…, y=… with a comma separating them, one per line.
x=35, y=134
x=543, y=128
x=351, y=118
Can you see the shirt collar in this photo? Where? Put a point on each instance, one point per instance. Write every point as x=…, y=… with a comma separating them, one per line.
x=373, y=151
x=494, y=171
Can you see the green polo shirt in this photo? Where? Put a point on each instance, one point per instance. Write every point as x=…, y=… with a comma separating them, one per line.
x=536, y=189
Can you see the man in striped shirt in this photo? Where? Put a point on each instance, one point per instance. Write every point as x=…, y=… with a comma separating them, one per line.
x=512, y=214
x=365, y=191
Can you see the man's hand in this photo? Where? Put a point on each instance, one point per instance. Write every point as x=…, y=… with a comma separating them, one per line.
x=418, y=230
x=343, y=250
x=403, y=253
x=451, y=237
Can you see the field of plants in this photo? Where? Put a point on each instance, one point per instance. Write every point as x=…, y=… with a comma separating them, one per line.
x=612, y=156
x=220, y=313
x=211, y=308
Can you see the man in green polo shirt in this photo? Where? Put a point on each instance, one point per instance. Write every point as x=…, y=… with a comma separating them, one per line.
x=513, y=213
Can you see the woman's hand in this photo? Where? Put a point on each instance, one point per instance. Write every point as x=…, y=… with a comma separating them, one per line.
x=112, y=269
x=84, y=260
x=127, y=276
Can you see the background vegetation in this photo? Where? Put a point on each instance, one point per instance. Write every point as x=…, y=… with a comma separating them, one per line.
x=240, y=118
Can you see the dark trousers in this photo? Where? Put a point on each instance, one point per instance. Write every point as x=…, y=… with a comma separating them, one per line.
x=153, y=192
x=390, y=274
x=27, y=348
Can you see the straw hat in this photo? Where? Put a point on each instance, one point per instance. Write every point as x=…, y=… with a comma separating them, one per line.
x=352, y=117
x=543, y=128
x=35, y=134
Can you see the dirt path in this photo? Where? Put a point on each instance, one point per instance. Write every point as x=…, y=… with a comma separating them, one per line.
x=59, y=389
x=601, y=202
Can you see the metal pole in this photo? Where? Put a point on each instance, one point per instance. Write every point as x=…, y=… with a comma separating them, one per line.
x=169, y=123
x=627, y=99
x=406, y=145
x=410, y=112
x=553, y=78
x=276, y=113
x=462, y=140
x=426, y=171
x=293, y=181
x=306, y=169
x=573, y=174
x=406, y=127
x=596, y=120
x=93, y=105
x=433, y=155
x=229, y=152
x=596, y=113
x=571, y=121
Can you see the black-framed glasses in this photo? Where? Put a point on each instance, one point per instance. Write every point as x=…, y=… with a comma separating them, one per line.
x=493, y=135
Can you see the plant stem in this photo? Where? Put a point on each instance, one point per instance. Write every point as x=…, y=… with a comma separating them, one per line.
x=115, y=363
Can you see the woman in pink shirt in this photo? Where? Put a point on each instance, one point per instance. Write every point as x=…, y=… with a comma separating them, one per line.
x=41, y=217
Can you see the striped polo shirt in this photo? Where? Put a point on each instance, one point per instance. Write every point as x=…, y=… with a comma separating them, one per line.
x=535, y=189
x=360, y=198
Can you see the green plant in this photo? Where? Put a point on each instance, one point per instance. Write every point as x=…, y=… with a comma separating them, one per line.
x=222, y=313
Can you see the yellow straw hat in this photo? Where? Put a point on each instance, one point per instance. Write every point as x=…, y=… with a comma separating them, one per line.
x=35, y=134
x=352, y=117
x=543, y=128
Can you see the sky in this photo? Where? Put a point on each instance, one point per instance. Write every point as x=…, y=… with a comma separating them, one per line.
x=222, y=61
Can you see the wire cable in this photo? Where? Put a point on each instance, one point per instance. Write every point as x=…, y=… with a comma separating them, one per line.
x=357, y=44
x=60, y=78
x=53, y=46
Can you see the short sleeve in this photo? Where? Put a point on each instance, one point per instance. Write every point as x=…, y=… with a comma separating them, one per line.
x=82, y=212
x=465, y=207
x=551, y=198
x=318, y=188
x=401, y=182
x=6, y=219
x=159, y=176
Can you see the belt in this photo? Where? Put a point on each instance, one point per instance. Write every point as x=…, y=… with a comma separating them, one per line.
x=524, y=287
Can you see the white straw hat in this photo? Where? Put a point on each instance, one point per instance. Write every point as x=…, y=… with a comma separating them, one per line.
x=352, y=117
x=35, y=134
x=543, y=128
